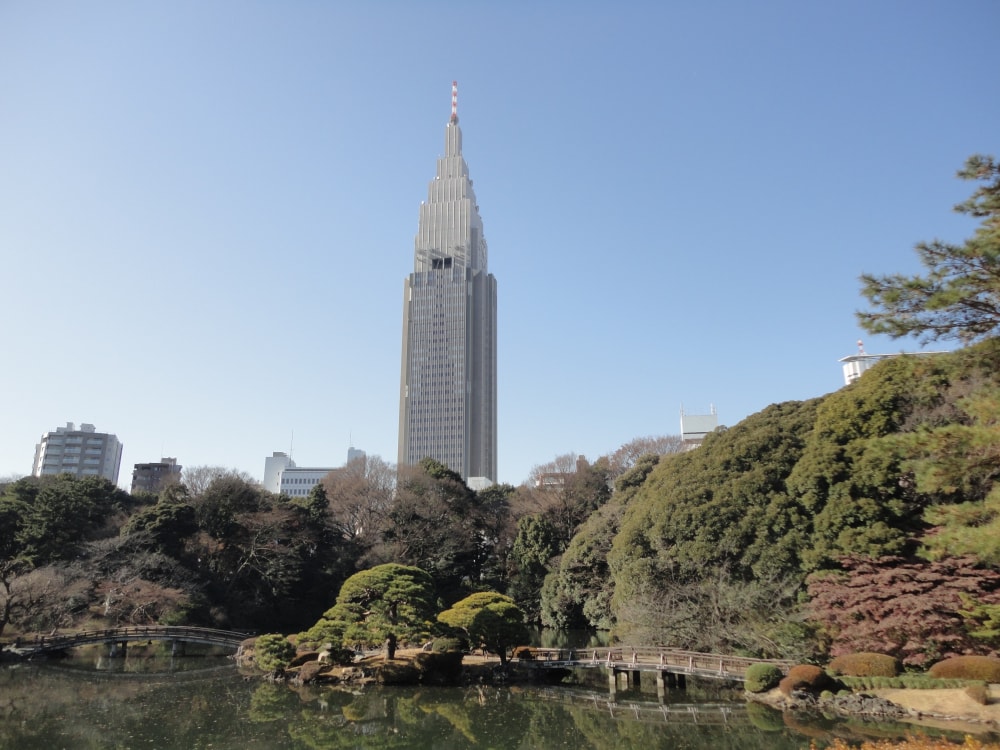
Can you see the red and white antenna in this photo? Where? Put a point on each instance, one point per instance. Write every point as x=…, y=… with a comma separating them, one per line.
x=861, y=347
x=454, y=101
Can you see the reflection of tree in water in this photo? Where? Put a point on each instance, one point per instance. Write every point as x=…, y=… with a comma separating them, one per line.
x=42, y=709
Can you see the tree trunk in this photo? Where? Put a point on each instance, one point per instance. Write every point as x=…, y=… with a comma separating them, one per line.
x=390, y=647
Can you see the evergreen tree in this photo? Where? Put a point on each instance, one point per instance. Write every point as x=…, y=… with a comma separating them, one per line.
x=959, y=297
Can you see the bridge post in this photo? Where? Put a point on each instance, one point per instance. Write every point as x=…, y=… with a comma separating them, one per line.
x=623, y=680
x=612, y=682
x=176, y=648
x=661, y=687
x=117, y=649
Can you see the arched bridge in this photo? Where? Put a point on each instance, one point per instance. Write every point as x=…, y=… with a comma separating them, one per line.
x=120, y=636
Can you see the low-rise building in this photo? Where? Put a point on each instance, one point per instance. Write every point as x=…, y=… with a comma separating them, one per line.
x=153, y=477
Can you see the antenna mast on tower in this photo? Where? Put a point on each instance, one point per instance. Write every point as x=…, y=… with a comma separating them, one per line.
x=454, y=101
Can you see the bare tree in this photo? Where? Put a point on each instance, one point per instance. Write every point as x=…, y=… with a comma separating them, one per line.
x=360, y=496
x=198, y=478
x=625, y=457
x=561, y=465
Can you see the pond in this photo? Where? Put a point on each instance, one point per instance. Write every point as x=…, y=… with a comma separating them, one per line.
x=205, y=702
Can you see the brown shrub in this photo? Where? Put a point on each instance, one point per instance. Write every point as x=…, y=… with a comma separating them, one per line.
x=309, y=671
x=865, y=664
x=967, y=668
x=979, y=693
x=913, y=743
x=806, y=677
x=523, y=653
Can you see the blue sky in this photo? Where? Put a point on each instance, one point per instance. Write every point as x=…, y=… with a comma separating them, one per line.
x=207, y=209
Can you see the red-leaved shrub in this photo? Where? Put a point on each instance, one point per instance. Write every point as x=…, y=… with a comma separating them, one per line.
x=805, y=677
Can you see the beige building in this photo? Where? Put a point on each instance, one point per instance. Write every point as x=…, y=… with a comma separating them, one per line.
x=81, y=452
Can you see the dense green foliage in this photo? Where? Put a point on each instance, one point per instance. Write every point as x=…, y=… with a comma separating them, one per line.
x=388, y=603
x=272, y=652
x=762, y=677
x=490, y=620
x=711, y=551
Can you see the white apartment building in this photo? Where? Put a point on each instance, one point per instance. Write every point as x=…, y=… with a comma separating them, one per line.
x=81, y=452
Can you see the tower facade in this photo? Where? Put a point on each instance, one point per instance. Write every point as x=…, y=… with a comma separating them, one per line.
x=448, y=388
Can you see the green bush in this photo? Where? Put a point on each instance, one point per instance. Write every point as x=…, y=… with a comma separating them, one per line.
x=762, y=677
x=806, y=677
x=865, y=664
x=447, y=645
x=984, y=668
x=273, y=652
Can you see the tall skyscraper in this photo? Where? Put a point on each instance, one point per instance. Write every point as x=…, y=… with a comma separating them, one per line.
x=448, y=390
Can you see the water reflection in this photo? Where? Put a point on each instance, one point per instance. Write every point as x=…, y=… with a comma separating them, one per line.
x=46, y=707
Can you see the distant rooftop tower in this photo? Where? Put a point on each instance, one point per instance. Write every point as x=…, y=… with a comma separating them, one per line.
x=694, y=427
x=857, y=364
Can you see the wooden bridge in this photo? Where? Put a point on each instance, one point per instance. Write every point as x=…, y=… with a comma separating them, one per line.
x=116, y=638
x=670, y=666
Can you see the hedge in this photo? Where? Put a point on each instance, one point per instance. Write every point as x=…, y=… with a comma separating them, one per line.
x=865, y=664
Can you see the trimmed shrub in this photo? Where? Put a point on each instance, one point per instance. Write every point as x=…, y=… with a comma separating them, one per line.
x=806, y=677
x=865, y=664
x=979, y=693
x=762, y=677
x=968, y=668
x=273, y=652
x=448, y=645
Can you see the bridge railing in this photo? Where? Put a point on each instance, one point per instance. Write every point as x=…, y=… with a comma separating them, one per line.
x=132, y=633
x=652, y=658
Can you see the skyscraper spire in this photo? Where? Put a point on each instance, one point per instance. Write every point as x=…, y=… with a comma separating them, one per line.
x=454, y=101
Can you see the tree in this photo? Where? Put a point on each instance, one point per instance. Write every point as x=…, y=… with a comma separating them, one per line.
x=360, y=497
x=906, y=608
x=273, y=652
x=434, y=524
x=167, y=525
x=536, y=543
x=490, y=619
x=959, y=297
x=388, y=603
x=629, y=454
x=198, y=478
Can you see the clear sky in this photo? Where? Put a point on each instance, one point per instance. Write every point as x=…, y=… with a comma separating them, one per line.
x=207, y=208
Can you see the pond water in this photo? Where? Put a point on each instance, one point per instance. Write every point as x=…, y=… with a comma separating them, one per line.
x=206, y=702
